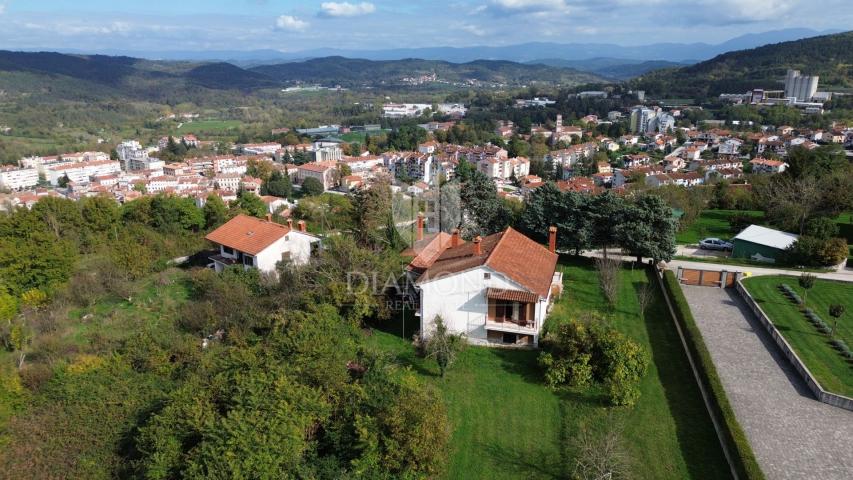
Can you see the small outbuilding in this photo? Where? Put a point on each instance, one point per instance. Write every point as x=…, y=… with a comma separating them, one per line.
x=762, y=244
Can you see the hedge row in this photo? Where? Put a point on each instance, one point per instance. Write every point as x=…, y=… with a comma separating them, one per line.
x=744, y=459
x=790, y=293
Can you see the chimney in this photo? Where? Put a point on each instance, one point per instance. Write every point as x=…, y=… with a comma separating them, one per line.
x=454, y=237
x=477, y=249
x=290, y=223
x=301, y=225
x=269, y=217
x=420, y=226
x=552, y=239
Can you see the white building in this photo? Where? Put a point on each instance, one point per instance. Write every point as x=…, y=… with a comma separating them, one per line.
x=261, y=244
x=494, y=290
x=404, y=110
x=81, y=172
x=132, y=155
x=261, y=148
x=642, y=119
x=14, y=178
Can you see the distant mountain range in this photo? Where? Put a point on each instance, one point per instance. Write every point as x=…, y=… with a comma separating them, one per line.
x=830, y=57
x=523, y=53
x=92, y=76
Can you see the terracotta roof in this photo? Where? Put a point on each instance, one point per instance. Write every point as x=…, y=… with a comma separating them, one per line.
x=509, y=252
x=511, y=295
x=248, y=234
x=426, y=251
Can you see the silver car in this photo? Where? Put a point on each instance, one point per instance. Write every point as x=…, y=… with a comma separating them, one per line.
x=715, y=244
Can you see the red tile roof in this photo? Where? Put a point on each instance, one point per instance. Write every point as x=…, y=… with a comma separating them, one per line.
x=509, y=252
x=248, y=234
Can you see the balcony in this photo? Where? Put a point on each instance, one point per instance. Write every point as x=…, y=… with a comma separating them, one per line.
x=510, y=325
x=511, y=311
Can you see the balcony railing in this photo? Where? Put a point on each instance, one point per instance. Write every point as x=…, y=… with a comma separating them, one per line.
x=509, y=324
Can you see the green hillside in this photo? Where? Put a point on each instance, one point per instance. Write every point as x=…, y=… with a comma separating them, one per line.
x=829, y=56
x=358, y=72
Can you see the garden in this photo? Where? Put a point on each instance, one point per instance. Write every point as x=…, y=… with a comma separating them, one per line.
x=805, y=318
x=508, y=424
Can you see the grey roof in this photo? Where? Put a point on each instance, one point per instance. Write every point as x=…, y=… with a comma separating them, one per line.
x=767, y=237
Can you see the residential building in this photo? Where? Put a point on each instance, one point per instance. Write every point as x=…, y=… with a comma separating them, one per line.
x=495, y=290
x=81, y=172
x=322, y=171
x=763, y=165
x=14, y=178
x=261, y=244
x=643, y=120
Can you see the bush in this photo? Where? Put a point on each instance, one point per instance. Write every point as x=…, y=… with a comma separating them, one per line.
x=815, y=252
x=743, y=457
x=579, y=353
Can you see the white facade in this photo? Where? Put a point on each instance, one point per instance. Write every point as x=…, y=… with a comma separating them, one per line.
x=132, y=155
x=80, y=172
x=460, y=300
x=18, y=178
x=295, y=247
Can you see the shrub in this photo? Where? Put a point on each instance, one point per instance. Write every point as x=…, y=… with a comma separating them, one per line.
x=816, y=252
x=579, y=353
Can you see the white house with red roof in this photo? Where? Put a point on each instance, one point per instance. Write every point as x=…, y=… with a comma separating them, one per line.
x=261, y=244
x=495, y=290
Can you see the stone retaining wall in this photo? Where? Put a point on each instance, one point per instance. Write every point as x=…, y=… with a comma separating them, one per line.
x=804, y=373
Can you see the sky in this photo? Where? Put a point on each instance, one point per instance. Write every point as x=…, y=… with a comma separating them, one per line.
x=286, y=25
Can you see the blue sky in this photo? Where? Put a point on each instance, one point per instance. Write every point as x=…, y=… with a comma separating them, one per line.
x=287, y=25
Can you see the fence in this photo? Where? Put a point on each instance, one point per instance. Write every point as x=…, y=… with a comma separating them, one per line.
x=707, y=278
x=812, y=384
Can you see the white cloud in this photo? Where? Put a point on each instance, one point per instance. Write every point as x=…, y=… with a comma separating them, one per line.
x=751, y=10
x=2, y=8
x=346, y=9
x=530, y=6
x=473, y=29
x=291, y=23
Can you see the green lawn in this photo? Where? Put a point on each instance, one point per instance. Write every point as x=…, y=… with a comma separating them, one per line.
x=507, y=425
x=714, y=223
x=832, y=371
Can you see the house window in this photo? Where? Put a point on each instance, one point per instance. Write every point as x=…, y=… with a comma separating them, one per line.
x=487, y=276
x=227, y=250
x=287, y=238
x=248, y=260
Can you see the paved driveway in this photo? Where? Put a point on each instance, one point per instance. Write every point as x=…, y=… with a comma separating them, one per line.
x=793, y=435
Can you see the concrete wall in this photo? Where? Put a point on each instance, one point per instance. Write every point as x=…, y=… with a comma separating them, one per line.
x=812, y=383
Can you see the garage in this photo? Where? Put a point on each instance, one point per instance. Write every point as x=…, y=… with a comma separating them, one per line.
x=762, y=244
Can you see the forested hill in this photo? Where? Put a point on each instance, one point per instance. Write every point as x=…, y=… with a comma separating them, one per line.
x=357, y=72
x=92, y=76
x=829, y=56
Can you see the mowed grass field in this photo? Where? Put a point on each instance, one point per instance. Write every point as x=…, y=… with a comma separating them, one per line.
x=715, y=223
x=832, y=371
x=508, y=425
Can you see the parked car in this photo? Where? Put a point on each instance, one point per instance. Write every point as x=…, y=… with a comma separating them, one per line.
x=715, y=244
